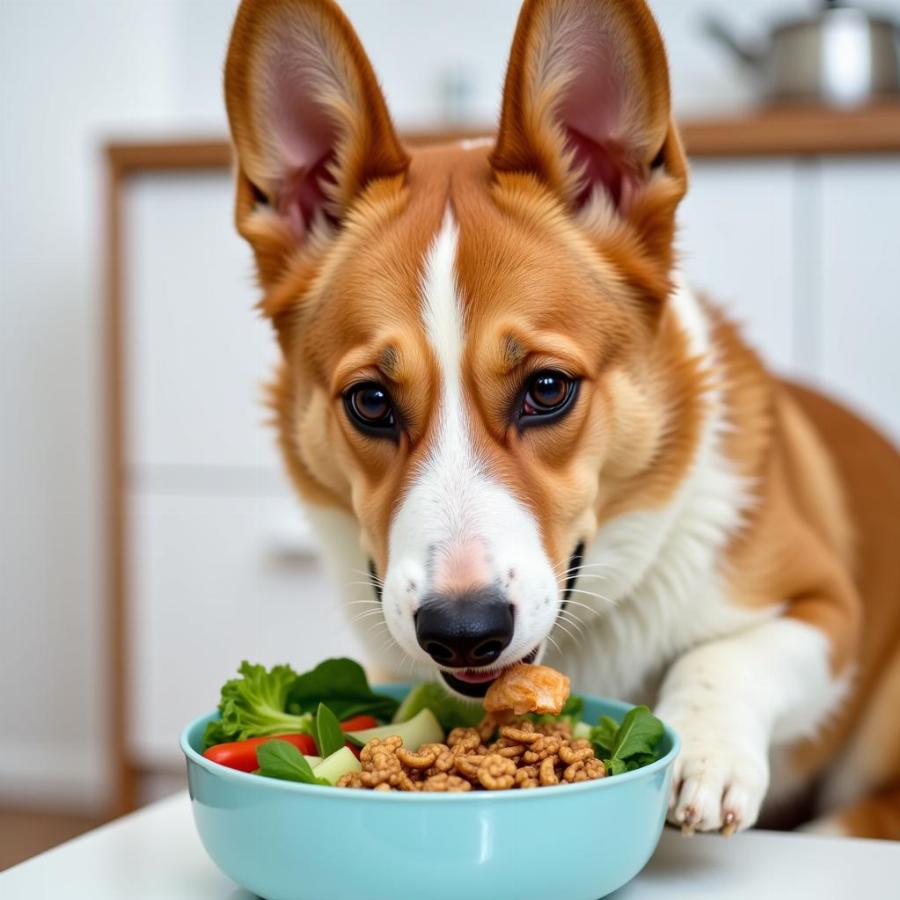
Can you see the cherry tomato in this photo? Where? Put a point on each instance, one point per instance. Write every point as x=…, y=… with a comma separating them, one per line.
x=359, y=723
x=241, y=755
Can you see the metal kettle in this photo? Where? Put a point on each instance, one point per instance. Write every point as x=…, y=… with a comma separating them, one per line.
x=841, y=56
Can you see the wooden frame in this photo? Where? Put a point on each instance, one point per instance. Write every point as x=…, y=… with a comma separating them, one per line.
x=781, y=132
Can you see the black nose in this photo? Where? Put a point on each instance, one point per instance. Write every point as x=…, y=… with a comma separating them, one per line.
x=465, y=631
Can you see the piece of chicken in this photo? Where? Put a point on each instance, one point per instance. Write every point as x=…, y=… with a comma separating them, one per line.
x=525, y=688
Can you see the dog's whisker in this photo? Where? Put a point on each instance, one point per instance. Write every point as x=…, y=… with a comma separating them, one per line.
x=564, y=597
x=366, y=615
x=563, y=628
x=371, y=577
x=590, y=594
x=362, y=603
x=555, y=644
x=575, y=623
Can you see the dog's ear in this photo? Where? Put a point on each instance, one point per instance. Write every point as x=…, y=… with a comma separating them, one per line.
x=586, y=108
x=308, y=120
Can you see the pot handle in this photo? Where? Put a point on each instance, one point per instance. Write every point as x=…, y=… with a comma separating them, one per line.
x=715, y=28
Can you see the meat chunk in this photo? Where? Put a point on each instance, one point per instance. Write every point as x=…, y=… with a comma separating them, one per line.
x=525, y=688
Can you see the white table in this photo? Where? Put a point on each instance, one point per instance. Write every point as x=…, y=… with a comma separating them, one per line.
x=155, y=854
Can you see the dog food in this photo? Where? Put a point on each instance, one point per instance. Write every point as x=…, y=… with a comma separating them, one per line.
x=522, y=755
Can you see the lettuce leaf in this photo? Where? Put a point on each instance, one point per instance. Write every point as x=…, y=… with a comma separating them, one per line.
x=254, y=706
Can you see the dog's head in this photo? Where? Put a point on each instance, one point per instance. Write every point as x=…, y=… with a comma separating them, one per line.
x=477, y=360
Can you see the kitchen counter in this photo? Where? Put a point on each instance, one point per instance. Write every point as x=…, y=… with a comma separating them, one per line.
x=155, y=853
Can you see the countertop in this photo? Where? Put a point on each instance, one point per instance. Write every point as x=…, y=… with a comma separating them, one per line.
x=155, y=853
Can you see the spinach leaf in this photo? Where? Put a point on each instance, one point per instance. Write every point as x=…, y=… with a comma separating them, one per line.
x=342, y=685
x=628, y=746
x=639, y=732
x=603, y=735
x=327, y=731
x=279, y=759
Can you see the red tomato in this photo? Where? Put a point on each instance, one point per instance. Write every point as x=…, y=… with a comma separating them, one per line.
x=359, y=723
x=241, y=755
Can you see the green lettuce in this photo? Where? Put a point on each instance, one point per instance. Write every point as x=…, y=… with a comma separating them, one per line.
x=254, y=705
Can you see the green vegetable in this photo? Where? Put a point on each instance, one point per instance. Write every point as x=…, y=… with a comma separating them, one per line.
x=278, y=759
x=571, y=713
x=327, y=731
x=449, y=710
x=342, y=685
x=254, y=706
x=603, y=735
x=631, y=745
x=423, y=728
x=337, y=764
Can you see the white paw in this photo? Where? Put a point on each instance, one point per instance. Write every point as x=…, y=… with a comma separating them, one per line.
x=717, y=784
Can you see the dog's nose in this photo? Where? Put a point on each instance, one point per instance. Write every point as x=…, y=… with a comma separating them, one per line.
x=467, y=630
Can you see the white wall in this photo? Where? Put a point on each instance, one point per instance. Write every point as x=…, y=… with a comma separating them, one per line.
x=72, y=74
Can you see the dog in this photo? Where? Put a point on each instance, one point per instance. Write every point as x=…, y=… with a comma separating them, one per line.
x=500, y=399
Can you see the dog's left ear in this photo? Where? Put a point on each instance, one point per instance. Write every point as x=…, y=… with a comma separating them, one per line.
x=586, y=108
x=309, y=123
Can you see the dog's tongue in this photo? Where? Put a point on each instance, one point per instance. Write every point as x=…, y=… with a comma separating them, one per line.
x=473, y=676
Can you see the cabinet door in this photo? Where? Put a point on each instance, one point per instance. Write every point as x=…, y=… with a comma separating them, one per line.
x=196, y=350
x=736, y=243
x=860, y=286
x=215, y=580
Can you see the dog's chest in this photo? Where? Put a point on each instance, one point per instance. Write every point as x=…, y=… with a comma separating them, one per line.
x=651, y=588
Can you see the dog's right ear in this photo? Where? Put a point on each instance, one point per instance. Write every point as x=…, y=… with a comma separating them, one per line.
x=309, y=124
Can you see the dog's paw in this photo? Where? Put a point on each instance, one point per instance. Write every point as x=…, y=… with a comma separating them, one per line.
x=717, y=785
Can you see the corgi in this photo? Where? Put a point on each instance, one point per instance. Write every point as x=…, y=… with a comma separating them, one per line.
x=501, y=400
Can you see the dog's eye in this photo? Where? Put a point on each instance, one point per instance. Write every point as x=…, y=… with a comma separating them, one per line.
x=548, y=395
x=371, y=410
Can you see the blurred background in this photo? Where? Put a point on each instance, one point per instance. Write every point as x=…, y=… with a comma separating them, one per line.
x=148, y=540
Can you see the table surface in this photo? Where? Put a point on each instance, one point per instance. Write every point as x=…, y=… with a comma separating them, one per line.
x=155, y=853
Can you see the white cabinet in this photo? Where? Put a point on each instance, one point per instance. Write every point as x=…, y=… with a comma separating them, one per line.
x=859, y=330
x=736, y=246
x=805, y=255
x=197, y=350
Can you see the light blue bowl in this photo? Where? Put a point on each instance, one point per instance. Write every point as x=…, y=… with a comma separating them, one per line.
x=288, y=841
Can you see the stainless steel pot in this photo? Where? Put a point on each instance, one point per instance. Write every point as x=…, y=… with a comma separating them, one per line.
x=841, y=56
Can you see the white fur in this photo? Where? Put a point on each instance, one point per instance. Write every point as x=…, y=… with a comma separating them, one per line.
x=475, y=143
x=731, y=700
x=454, y=500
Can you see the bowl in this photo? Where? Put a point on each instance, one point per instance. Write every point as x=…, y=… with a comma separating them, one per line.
x=288, y=841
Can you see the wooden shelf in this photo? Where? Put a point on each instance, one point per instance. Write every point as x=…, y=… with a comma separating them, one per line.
x=796, y=131
x=778, y=131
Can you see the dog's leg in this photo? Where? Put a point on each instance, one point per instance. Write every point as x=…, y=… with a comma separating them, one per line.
x=730, y=700
x=876, y=816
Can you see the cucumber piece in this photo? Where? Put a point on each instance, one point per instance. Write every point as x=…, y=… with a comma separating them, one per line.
x=448, y=709
x=581, y=730
x=422, y=728
x=313, y=760
x=333, y=767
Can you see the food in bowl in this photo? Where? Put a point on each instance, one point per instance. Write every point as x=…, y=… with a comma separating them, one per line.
x=322, y=728
x=289, y=840
x=527, y=688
